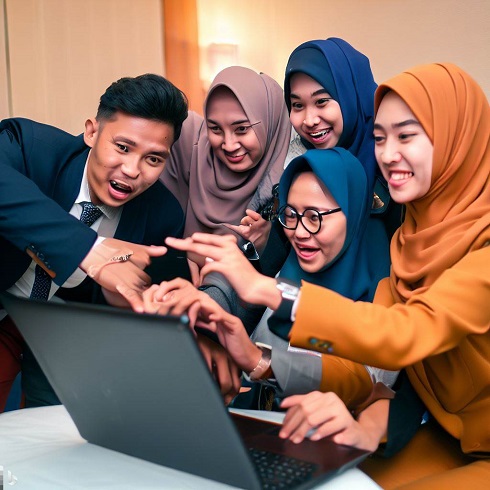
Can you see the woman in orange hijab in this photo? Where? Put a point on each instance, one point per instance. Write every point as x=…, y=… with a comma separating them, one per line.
x=432, y=315
x=432, y=144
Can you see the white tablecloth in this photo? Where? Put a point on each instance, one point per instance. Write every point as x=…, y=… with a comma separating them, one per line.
x=42, y=449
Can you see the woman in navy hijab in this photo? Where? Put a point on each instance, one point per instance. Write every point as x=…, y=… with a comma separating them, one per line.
x=329, y=91
x=324, y=211
x=346, y=270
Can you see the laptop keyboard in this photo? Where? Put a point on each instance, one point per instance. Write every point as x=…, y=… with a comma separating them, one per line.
x=277, y=471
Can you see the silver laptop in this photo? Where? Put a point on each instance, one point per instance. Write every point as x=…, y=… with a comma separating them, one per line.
x=138, y=384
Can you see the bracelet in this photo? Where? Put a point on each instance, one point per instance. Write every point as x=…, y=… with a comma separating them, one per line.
x=120, y=255
x=264, y=364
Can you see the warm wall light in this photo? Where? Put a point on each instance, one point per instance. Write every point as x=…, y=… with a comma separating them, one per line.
x=217, y=57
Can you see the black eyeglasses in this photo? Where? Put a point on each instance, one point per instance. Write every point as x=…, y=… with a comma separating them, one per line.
x=311, y=219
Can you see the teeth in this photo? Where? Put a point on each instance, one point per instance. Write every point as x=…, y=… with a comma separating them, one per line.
x=120, y=187
x=401, y=175
x=319, y=134
x=307, y=248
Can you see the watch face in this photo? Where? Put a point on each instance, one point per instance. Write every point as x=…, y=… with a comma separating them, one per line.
x=250, y=251
x=288, y=290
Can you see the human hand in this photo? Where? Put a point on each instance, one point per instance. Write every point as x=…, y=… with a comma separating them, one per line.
x=194, y=269
x=176, y=297
x=231, y=334
x=223, y=255
x=115, y=299
x=328, y=416
x=179, y=297
x=116, y=264
x=224, y=370
x=253, y=228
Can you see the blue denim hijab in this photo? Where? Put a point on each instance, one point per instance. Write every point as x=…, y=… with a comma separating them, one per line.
x=350, y=273
x=346, y=74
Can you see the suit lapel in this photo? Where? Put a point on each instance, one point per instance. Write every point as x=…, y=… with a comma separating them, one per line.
x=68, y=186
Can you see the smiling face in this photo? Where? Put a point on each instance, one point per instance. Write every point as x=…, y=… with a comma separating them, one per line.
x=315, y=251
x=314, y=114
x=403, y=150
x=128, y=155
x=230, y=132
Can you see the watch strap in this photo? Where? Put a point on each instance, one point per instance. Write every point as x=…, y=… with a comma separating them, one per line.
x=289, y=292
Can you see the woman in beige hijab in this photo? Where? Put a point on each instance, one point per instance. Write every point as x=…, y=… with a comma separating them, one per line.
x=229, y=161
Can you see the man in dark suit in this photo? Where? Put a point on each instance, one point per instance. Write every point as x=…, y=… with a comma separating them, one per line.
x=49, y=178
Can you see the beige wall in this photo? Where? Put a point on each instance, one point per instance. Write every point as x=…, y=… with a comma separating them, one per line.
x=394, y=34
x=4, y=88
x=64, y=54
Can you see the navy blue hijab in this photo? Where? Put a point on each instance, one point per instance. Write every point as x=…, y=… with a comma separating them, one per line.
x=346, y=75
x=349, y=273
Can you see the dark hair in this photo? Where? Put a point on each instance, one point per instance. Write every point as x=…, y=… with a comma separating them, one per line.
x=147, y=96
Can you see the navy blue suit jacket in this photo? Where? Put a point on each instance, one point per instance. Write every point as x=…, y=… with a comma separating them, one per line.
x=41, y=168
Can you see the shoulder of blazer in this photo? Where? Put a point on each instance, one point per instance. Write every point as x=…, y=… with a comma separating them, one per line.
x=29, y=128
x=43, y=142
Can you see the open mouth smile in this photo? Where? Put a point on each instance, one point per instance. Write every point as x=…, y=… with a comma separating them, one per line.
x=306, y=252
x=400, y=175
x=320, y=136
x=235, y=158
x=398, y=178
x=121, y=187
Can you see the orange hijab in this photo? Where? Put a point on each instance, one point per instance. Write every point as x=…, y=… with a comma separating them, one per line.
x=453, y=218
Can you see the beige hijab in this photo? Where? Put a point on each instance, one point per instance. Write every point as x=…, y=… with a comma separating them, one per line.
x=216, y=194
x=453, y=218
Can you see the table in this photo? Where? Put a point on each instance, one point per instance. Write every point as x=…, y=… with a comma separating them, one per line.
x=42, y=449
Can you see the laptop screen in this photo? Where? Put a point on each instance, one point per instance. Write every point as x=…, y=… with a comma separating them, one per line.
x=138, y=384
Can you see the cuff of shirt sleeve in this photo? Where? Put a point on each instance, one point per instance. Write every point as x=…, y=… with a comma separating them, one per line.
x=379, y=392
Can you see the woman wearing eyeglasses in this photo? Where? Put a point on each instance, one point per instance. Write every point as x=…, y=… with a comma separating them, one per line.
x=325, y=205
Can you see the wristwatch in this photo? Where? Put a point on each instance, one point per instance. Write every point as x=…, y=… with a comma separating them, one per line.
x=289, y=292
x=263, y=368
x=249, y=250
